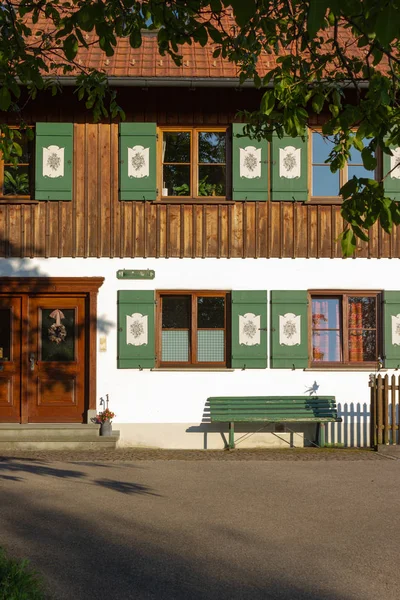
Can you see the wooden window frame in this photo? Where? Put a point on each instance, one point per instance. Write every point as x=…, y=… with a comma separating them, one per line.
x=194, y=164
x=193, y=362
x=343, y=173
x=19, y=198
x=343, y=295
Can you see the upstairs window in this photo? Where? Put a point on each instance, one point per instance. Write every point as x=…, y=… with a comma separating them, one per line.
x=16, y=179
x=324, y=183
x=192, y=329
x=193, y=163
x=344, y=328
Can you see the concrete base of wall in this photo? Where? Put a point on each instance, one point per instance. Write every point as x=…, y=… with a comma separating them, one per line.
x=189, y=436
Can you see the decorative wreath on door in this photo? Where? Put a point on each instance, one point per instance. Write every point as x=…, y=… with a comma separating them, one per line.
x=57, y=331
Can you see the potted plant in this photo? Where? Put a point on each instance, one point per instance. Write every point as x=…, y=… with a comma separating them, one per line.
x=104, y=418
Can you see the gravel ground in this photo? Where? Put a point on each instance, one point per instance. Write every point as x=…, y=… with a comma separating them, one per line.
x=137, y=454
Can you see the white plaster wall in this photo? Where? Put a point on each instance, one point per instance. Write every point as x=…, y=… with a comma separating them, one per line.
x=145, y=397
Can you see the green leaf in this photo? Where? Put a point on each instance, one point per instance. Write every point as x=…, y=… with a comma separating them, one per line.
x=316, y=16
x=348, y=242
x=243, y=10
x=70, y=46
x=268, y=102
x=349, y=188
x=369, y=160
x=135, y=39
x=318, y=103
x=5, y=98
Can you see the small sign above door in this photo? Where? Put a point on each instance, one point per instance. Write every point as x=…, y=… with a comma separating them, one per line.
x=136, y=274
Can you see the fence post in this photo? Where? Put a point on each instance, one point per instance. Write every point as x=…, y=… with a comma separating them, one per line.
x=379, y=409
x=386, y=410
x=372, y=419
x=393, y=399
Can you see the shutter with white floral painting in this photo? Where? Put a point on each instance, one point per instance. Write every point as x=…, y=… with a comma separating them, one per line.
x=249, y=329
x=137, y=161
x=136, y=344
x=249, y=166
x=54, y=161
x=289, y=327
x=289, y=172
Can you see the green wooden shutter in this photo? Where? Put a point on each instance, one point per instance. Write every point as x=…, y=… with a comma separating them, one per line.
x=54, y=161
x=137, y=161
x=392, y=184
x=249, y=166
x=391, y=318
x=289, y=174
x=289, y=329
x=249, y=329
x=136, y=340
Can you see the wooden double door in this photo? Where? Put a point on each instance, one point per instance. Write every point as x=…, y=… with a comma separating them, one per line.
x=42, y=358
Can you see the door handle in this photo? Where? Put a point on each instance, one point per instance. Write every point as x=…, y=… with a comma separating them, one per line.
x=32, y=362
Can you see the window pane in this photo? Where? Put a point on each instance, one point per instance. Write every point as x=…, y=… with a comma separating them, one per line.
x=5, y=334
x=175, y=346
x=176, y=180
x=326, y=346
x=212, y=147
x=58, y=334
x=359, y=171
x=176, y=312
x=16, y=181
x=362, y=313
x=324, y=182
x=362, y=346
x=212, y=181
x=321, y=147
x=210, y=312
x=176, y=147
x=356, y=155
x=210, y=346
x=326, y=313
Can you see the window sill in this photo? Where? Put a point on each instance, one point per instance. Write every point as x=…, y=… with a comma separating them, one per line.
x=17, y=200
x=205, y=200
x=193, y=370
x=345, y=369
x=325, y=200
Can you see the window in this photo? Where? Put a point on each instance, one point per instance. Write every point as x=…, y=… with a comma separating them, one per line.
x=193, y=163
x=192, y=328
x=15, y=180
x=324, y=183
x=344, y=328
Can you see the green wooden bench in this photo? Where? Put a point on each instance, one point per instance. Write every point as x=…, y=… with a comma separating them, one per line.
x=274, y=409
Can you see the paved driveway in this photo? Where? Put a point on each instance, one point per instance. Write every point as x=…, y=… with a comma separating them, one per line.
x=205, y=529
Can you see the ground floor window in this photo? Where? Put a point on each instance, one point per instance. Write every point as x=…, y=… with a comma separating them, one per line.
x=345, y=328
x=192, y=328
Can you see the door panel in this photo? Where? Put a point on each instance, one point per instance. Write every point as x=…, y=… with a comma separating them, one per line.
x=10, y=359
x=56, y=373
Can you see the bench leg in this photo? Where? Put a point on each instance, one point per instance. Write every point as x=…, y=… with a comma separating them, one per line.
x=321, y=436
x=231, y=436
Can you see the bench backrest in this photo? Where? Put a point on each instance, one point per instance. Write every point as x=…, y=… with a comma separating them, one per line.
x=274, y=408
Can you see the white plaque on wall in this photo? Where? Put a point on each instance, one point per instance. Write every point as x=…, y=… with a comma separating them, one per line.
x=289, y=162
x=138, y=162
x=395, y=163
x=289, y=329
x=53, y=162
x=250, y=162
x=136, y=329
x=396, y=330
x=249, y=329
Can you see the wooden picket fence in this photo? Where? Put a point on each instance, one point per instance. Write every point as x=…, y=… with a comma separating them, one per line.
x=385, y=400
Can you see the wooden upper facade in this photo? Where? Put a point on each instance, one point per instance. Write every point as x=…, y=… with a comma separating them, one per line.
x=98, y=224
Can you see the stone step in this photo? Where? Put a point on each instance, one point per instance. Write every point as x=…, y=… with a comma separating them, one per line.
x=101, y=443
x=54, y=436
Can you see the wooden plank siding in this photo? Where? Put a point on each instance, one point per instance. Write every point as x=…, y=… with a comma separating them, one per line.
x=97, y=224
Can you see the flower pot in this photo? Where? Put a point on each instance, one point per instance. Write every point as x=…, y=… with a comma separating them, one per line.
x=106, y=428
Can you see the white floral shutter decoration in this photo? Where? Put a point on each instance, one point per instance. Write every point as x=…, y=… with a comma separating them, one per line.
x=136, y=329
x=289, y=162
x=395, y=163
x=289, y=329
x=53, y=161
x=249, y=329
x=250, y=162
x=396, y=330
x=138, y=162
x=136, y=322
